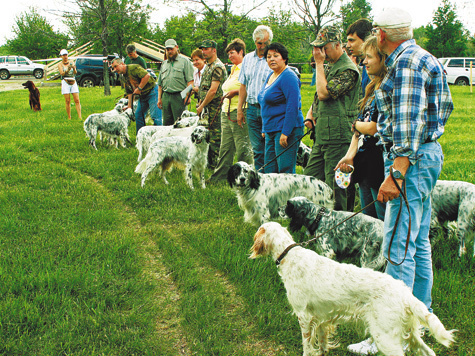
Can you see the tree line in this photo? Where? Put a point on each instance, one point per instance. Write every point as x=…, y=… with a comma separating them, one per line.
x=112, y=24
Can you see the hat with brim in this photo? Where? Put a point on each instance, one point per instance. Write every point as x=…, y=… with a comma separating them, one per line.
x=63, y=52
x=326, y=35
x=392, y=18
x=171, y=43
x=207, y=44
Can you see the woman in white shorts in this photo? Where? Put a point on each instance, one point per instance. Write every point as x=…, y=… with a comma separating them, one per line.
x=69, y=86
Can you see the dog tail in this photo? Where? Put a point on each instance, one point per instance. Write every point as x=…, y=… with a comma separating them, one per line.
x=142, y=166
x=431, y=321
x=443, y=336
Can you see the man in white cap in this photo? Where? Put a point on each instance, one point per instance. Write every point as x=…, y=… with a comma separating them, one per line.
x=176, y=73
x=414, y=102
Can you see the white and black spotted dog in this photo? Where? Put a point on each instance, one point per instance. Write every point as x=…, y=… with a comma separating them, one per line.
x=188, y=153
x=260, y=195
x=324, y=293
x=151, y=133
x=361, y=235
x=187, y=119
x=114, y=126
x=303, y=155
x=455, y=201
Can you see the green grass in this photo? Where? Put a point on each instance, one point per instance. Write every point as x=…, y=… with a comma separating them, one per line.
x=92, y=264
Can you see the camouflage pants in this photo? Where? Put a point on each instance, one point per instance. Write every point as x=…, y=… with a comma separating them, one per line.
x=213, y=113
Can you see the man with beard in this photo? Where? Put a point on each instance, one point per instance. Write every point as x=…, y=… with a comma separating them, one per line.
x=176, y=73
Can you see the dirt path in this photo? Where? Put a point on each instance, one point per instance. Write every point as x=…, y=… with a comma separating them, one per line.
x=14, y=83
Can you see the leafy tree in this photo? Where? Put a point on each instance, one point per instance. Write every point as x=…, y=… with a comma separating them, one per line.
x=109, y=24
x=446, y=34
x=353, y=11
x=420, y=35
x=35, y=37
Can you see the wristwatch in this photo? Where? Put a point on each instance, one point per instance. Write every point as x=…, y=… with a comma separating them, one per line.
x=139, y=88
x=397, y=174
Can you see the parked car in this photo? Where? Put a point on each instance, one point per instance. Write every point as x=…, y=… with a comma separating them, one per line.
x=458, y=70
x=90, y=71
x=19, y=65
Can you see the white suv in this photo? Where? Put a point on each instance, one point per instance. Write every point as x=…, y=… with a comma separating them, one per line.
x=458, y=70
x=18, y=65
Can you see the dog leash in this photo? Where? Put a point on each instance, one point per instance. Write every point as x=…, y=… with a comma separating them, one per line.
x=288, y=147
x=401, y=197
x=303, y=244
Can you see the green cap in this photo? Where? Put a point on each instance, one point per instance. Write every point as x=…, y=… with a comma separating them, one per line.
x=326, y=35
x=207, y=44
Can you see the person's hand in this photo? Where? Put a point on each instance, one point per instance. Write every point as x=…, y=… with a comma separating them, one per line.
x=308, y=125
x=319, y=55
x=344, y=164
x=388, y=190
x=137, y=91
x=263, y=135
x=283, y=141
x=159, y=103
x=187, y=100
x=199, y=109
x=241, y=119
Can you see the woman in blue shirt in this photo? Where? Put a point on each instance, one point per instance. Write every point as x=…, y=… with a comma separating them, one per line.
x=282, y=119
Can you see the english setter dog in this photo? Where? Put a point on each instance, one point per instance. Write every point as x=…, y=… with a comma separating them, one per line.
x=151, y=133
x=114, y=126
x=455, y=201
x=188, y=153
x=324, y=293
x=361, y=235
x=303, y=155
x=260, y=195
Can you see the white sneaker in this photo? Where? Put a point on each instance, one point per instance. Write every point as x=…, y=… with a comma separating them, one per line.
x=365, y=347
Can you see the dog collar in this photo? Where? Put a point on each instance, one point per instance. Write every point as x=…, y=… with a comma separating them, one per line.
x=283, y=254
x=317, y=220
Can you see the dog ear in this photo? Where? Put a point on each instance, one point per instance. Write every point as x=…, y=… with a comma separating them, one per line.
x=254, y=181
x=193, y=137
x=258, y=248
x=232, y=174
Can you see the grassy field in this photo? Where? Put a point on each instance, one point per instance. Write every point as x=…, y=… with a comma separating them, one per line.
x=92, y=264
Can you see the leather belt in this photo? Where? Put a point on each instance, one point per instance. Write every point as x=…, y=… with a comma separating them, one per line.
x=386, y=147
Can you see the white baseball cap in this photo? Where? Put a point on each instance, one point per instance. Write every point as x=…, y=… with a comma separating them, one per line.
x=63, y=52
x=392, y=18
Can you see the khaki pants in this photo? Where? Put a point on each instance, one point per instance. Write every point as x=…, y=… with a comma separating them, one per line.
x=234, y=140
x=172, y=107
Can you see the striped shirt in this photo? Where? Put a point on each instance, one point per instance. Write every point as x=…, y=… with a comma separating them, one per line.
x=254, y=72
x=414, y=101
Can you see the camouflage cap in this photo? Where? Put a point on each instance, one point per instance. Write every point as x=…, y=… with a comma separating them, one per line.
x=326, y=35
x=207, y=44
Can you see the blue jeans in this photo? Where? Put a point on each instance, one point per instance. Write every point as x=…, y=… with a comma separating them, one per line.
x=286, y=162
x=147, y=102
x=254, y=125
x=416, y=270
x=367, y=195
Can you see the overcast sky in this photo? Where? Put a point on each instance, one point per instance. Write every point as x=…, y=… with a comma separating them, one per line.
x=422, y=11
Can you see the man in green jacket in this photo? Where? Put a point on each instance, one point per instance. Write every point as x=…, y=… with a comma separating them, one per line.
x=334, y=109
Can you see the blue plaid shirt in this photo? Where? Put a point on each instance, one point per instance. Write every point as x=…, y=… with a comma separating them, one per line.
x=414, y=101
x=254, y=71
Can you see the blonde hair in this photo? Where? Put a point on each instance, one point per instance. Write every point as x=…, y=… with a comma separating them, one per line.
x=371, y=44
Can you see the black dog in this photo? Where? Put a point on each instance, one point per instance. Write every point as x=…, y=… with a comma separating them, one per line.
x=361, y=235
x=34, y=95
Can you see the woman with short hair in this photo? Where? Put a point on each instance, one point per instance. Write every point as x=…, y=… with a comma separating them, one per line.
x=282, y=119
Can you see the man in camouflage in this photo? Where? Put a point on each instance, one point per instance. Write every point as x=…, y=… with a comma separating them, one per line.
x=210, y=93
x=333, y=111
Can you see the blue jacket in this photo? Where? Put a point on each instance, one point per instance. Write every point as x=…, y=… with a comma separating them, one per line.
x=281, y=103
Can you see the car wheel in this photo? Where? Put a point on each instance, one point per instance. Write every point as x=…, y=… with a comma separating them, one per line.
x=4, y=74
x=461, y=81
x=38, y=73
x=87, y=82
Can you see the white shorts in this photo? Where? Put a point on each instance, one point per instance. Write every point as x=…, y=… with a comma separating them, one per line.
x=69, y=89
